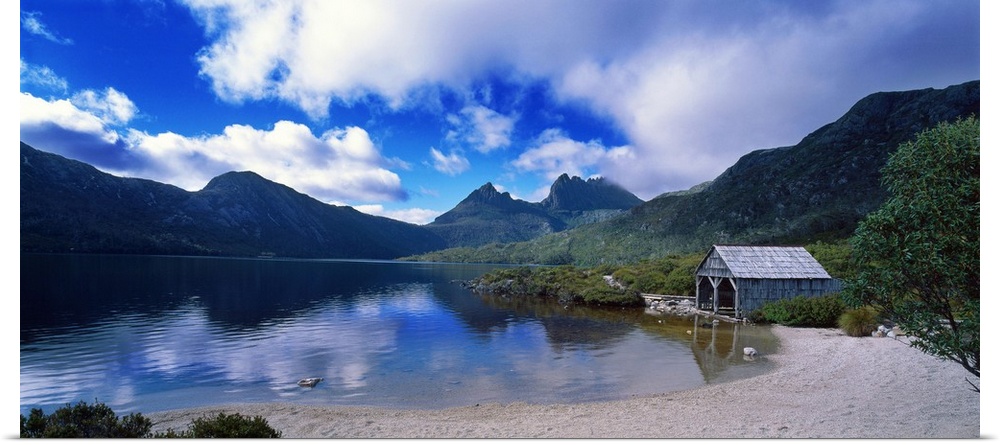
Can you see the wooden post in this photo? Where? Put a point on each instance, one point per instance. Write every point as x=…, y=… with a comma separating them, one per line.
x=715, y=293
x=697, y=292
x=736, y=298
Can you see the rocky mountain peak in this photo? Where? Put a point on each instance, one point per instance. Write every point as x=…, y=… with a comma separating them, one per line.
x=573, y=193
x=488, y=194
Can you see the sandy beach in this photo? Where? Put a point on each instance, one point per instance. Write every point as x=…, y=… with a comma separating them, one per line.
x=825, y=385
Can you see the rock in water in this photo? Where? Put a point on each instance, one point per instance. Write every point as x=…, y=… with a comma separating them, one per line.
x=310, y=382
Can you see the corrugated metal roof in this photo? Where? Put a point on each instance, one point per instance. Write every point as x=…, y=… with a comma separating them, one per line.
x=770, y=262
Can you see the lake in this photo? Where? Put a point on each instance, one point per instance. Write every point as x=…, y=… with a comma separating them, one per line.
x=152, y=333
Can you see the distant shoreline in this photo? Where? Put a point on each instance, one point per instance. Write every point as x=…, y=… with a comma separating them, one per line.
x=825, y=385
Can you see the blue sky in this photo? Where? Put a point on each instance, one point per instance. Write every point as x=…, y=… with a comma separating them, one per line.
x=402, y=108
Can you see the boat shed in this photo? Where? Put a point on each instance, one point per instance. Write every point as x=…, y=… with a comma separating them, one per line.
x=735, y=280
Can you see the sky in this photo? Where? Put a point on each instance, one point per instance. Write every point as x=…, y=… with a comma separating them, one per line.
x=402, y=108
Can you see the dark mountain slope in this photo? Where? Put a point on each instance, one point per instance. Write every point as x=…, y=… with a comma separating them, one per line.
x=821, y=186
x=70, y=206
x=67, y=205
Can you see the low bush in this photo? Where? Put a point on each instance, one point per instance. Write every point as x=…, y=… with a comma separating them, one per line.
x=859, y=322
x=613, y=297
x=564, y=283
x=228, y=426
x=816, y=312
x=670, y=275
x=84, y=420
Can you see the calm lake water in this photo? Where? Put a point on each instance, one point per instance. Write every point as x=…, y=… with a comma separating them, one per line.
x=151, y=333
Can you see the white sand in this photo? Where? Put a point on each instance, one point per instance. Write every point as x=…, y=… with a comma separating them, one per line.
x=825, y=385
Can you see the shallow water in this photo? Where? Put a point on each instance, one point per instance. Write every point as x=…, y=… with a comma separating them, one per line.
x=150, y=333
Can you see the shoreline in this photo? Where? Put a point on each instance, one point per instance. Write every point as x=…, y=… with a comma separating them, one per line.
x=824, y=385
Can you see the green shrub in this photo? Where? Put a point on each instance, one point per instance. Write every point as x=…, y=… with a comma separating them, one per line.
x=84, y=420
x=859, y=322
x=816, y=312
x=565, y=283
x=229, y=426
x=671, y=275
x=99, y=421
x=612, y=297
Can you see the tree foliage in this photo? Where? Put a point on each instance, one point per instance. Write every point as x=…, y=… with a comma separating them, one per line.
x=835, y=257
x=917, y=257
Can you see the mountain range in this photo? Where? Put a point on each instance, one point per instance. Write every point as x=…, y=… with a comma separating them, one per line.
x=817, y=189
x=69, y=206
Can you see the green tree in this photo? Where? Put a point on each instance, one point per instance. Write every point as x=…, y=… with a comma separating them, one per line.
x=917, y=257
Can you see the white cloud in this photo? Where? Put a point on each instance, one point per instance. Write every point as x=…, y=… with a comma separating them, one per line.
x=110, y=105
x=481, y=128
x=553, y=153
x=37, y=112
x=309, y=52
x=413, y=215
x=451, y=164
x=31, y=22
x=87, y=112
x=341, y=165
x=42, y=76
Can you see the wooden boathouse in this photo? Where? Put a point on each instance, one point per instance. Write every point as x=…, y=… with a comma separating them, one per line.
x=736, y=279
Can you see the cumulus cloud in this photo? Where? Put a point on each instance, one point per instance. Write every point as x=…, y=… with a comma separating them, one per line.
x=88, y=111
x=110, y=106
x=451, y=164
x=309, y=52
x=340, y=165
x=691, y=85
x=31, y=22
x=481, y=128
x=37, y=112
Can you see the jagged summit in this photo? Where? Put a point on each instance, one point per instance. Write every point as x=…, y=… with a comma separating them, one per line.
x=575, y=194
x=488, y=216
x=488, y=203
x=488, y=194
